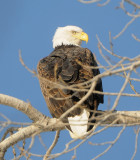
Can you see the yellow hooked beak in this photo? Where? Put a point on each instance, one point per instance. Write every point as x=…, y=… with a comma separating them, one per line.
x=82, y=36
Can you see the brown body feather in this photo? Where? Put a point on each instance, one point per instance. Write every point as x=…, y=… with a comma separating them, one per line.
x=68, y=65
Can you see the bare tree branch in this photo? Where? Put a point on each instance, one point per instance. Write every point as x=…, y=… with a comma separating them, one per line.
x=22, y=62
x=125, y=27
x=87, y=2
x=52, y=146
x=136, y=142
x=110, y=146
x=133, y=4
x=46, y=125
x=22, y=106
x=137, y=39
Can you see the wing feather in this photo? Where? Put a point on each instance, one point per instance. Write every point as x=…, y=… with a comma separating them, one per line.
x=67, y=66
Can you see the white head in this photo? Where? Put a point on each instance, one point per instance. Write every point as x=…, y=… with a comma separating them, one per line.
x=69, y=35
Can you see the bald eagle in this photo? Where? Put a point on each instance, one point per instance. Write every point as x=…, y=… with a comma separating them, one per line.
x=69, y=65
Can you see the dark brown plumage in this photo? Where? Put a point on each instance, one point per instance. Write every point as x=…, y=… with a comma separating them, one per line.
x=68, y=65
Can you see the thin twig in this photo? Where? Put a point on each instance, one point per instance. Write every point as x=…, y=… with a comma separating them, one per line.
x=52, y=146
x=122, y=89
x=137, y=39
x=104, y=4
x=22, y=62
x=110, y=146
x=125, y=27
x=133, y=4
x=132, y=87
x=87, y=2
x=136, y=143
x=41, y=141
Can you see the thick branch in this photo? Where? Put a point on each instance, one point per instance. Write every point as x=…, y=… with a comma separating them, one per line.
x=128, y=118
x=123, y=117
x=23, y=133
x=22, y=106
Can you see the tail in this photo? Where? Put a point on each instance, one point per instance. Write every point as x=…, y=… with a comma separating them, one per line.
x=79, y=125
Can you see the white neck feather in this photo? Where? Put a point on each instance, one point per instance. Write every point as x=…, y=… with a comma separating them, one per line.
x=61, y=41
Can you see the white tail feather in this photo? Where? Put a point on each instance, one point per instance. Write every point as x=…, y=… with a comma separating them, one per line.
x=79, y=124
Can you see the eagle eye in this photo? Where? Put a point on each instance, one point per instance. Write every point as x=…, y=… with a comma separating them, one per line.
x=74, y=32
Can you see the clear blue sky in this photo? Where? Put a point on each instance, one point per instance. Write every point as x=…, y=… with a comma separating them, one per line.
x=29, y=25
